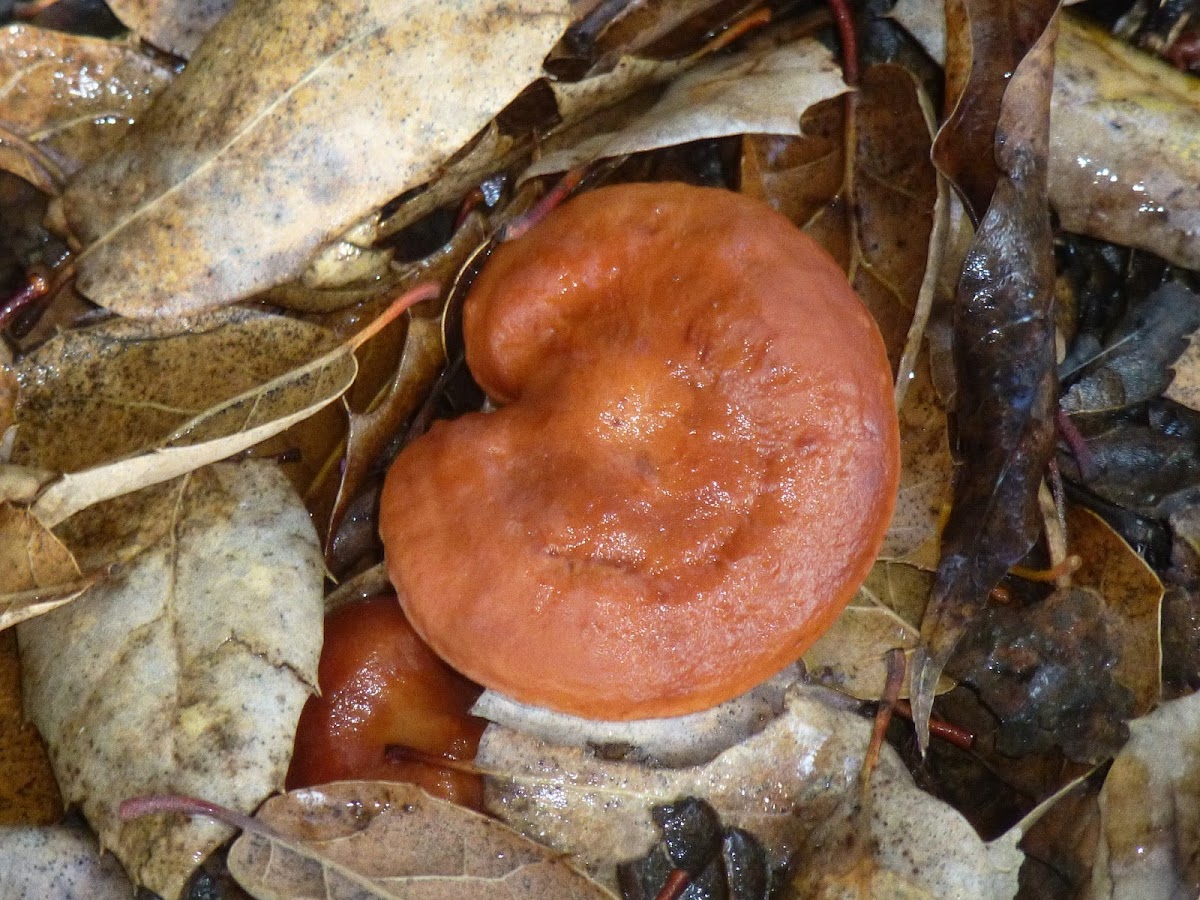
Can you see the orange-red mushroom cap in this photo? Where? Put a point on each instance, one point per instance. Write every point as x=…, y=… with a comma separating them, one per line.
x=691, y=470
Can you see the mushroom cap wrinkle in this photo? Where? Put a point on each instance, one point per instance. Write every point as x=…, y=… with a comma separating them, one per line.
x=692, y=466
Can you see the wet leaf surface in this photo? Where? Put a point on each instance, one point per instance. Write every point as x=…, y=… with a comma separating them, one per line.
x=781, y=785
x=1148, y=809
x=1134, y=363
x=69, y=99
x=380, y=839
x=199, y=651
x=286, y=158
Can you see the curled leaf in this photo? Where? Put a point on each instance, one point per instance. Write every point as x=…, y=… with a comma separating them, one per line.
x=1004, y=339
x=123, y=404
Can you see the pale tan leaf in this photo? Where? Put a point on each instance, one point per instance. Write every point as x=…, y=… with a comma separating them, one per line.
x=1185, y=386
x=176, y=26
x=782, y=785
x=70, y=98
x=189, y=665
x=289, y=156
x=380, y=839
x=762, y=91
x=123, y=404
x=885, y=614
x=1149, y=811
x=1125, y=145
x=61, y=862
x=926, y=474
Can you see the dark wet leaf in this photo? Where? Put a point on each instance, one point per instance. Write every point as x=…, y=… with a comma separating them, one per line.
x=1004, y=339
x=1143, y=469
x=1046, y=673
x=1134, y=363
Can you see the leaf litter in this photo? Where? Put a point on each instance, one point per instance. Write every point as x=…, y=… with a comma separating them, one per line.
x=1117, y=596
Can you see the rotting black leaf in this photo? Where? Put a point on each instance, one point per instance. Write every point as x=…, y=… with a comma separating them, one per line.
x=1134, y=363
x=1044, y=671
x=696, y=851
x=1007, y=388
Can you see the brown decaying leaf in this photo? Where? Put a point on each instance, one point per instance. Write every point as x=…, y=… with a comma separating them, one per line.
x=1132, y=595
x=188, y=666
x=176, y=26
x=381, y=839
x=69, y=98
x=1149, y=813
x=782, y=785
x=874, y=217
x=760, y=91
x=1004, y=333
x=65, y=863
x=122, y=405
x=37, y=572
x=234, y=197
x=28, y=793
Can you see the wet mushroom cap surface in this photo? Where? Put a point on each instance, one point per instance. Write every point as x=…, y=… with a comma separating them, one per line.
x=692, y=466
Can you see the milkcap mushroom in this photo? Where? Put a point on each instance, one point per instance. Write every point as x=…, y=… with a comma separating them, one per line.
x=691, y=466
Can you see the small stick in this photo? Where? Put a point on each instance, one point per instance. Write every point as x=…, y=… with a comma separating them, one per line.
x=952, y=734
x=1065, y=568
x=1078, y=445
x=757, y=19
x=883, y=714
x=398, y=307
x=677, y=882
x=555, y=196
x=843, y=16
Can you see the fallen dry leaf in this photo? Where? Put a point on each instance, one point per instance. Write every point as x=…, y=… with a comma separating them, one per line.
x=122, y=405
x=64, y=863
x=65, y=100
x=189, y=665
x=1150, y=817
x=37, y=573
x=380, y=839
x=176, y=26
x=763, y=91
x=781, y=785
x=1132, y=594
x=289, y=155
x=926, y=474
x=884, y=615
